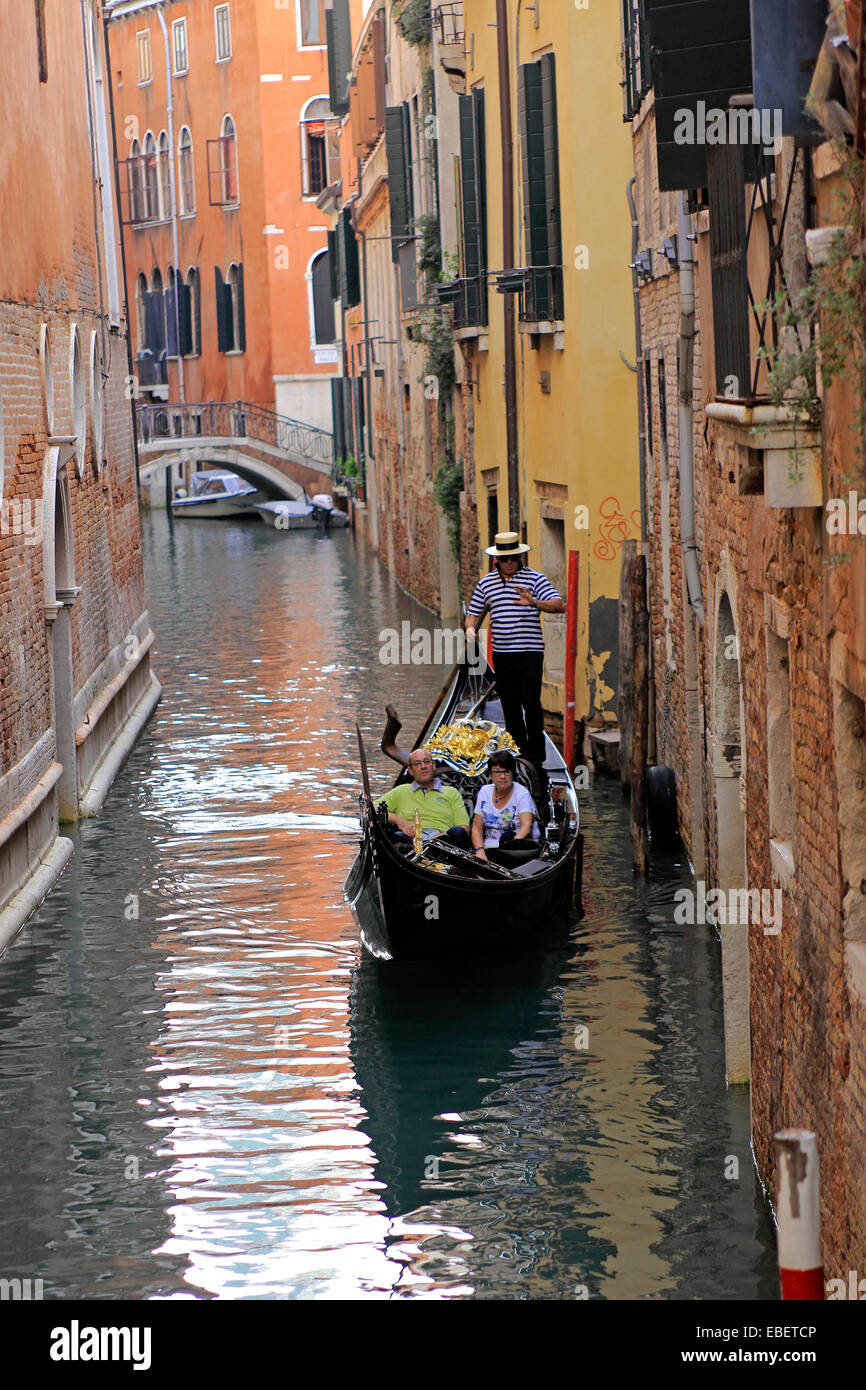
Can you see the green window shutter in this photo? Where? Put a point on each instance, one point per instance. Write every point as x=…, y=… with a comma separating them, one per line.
x=395, y=150
x=332, y=260
x=469, y=181
x=531, y=125
x=551, y=158
x=339, y=428
x=242, y=322
x=350, y=262
x=481, y=174
x=339, y=39
x=184, y=313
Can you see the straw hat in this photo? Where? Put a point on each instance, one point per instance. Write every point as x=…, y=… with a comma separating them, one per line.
x=506, y=544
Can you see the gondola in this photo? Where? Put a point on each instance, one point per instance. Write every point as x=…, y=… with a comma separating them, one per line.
x=440, y=901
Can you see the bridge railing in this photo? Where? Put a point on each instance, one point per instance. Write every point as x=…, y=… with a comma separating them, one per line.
x=234, y=420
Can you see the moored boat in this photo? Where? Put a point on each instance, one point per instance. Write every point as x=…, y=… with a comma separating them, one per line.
x=215, y=493
x=442, y=901
x=300, y=516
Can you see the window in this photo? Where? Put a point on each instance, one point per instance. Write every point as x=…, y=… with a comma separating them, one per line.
x=223, y=167
x=637, y=78
x=191, y=321
x=149, y=189
x=539, y=140
x=223, y=28
x=186, y=171
x=41, y=46
x=140, y=319
x=323, y=304
x=312, y=14
x=320, y=148
x=339, y=38
x=154, y=308
x=142, y=48
x=164, y=178
x=135, y=180
x=470, y=304
x=398, y=147
x=780, y=770
x=171, y=313
x=231, y=325
x=178, y=38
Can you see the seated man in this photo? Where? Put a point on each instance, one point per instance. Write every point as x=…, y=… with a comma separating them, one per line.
x=442, y=810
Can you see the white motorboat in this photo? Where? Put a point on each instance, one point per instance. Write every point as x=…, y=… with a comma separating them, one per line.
x=215, y=493
x=301, y=516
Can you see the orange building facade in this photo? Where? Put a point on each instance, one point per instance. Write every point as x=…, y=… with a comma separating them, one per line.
x=225, y=143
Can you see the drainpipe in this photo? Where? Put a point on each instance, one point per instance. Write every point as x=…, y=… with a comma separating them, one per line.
x=508, y=261
x=173, y=198
x=106, y=20
x=638, y=347
x=686, y=420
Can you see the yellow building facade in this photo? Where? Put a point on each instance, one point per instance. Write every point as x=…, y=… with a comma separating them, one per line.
x=576, y=440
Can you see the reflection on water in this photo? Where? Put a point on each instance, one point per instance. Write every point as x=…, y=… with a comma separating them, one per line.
x=206, y=1091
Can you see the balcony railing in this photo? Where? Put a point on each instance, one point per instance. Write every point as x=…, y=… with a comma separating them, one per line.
x=542, y=297
x=234, y=420
x=468, y=300
x=450, y=24
x=151, y=371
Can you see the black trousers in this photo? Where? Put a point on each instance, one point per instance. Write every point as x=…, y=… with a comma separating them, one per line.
x=518, y=681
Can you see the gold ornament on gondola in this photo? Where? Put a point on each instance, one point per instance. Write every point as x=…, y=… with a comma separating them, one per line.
x=468, y=744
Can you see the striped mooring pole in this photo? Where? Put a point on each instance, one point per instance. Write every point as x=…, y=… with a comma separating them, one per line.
x=799, y=1215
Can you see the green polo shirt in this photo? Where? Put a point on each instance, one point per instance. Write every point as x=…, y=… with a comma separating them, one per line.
x=440, y=807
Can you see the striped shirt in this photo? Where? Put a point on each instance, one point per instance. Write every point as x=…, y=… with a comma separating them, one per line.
x=514, y=627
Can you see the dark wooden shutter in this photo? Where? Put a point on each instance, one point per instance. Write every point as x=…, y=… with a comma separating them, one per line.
x=358, y=412
x=531, y=123
x=225, y=327
x=350, y=270
x=170, y=323
x=339, y=39
x=481, y=177
x=338, y=425
x=241, y=344
x=551, y=158
x=184, y=312
x=348, y=424
x=394, y=148
x=154, y=321
x=332, y=263
x=469, y=183
x=701, y=51
x=782, y=71
x=407, y=155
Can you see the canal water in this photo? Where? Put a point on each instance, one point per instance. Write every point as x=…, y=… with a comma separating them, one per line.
x=206, y=1091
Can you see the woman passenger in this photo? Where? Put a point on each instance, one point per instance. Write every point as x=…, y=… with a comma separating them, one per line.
x=504, y=812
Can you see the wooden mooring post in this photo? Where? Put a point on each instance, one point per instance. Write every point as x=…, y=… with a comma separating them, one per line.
x=626, y=683
x=639, y=617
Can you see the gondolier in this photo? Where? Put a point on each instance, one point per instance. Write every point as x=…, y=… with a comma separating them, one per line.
x=514, y=595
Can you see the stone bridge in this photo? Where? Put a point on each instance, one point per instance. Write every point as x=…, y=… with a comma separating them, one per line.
x=282, y=457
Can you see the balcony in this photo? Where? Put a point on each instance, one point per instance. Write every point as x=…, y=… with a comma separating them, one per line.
x=468, y=300
x=152, y=373
x=450, y=28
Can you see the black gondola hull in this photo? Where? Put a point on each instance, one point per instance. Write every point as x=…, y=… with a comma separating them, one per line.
x=408, y=912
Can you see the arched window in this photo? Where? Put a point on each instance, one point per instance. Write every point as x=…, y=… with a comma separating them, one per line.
x=320, y=153
x=156, y=315
x=135, y=182
x=186, y=171
x=164, y=179
x=140, y=310
x=194, y=310
x=150, y=194
x=323, y=304
x=228, y=162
